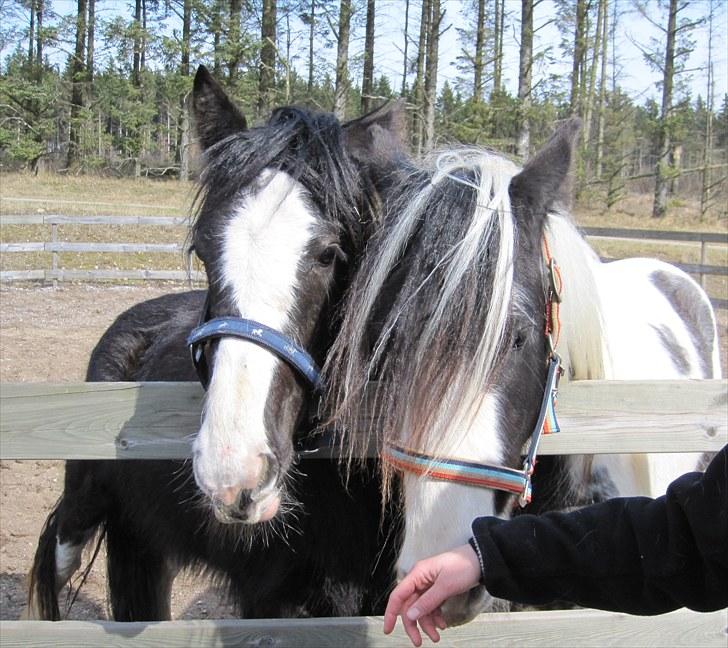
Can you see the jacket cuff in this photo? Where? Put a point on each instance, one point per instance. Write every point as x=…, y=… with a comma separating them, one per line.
x=476, y=548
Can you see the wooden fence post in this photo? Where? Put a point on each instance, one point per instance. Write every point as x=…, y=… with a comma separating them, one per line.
x=54, y=254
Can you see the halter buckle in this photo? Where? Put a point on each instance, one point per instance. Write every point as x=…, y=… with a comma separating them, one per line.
x=525, y=496
x=554, y=281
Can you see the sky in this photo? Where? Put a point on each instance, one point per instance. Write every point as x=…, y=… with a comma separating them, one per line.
x=634, y=75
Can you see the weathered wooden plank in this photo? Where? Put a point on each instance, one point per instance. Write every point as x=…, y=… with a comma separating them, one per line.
x=659, y=235
x=6, y=248
x=61, y=246
x=22, y=275
x=60, y=219
x=556, y=628
x=115, y=275
x=99, y=420
x=157, y=420
x=7, y=276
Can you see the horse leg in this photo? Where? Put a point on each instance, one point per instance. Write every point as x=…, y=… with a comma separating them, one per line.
x=70, y=525
x=140, y=580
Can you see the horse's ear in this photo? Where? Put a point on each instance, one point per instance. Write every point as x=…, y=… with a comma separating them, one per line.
x=216, y=116
x=544, y=181
x=379, y=136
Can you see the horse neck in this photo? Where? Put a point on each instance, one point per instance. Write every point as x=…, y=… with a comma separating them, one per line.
x=582, y=344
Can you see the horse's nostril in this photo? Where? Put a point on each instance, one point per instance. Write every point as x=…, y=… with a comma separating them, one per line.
x=244, y=500
x=235, y=511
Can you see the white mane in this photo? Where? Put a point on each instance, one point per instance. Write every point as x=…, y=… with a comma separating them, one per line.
x=582, y=344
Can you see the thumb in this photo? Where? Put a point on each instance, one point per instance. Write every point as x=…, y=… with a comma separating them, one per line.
x=429, y=601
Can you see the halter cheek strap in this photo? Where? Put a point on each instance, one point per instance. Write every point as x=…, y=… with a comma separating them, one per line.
x=483, y=475
x=501, y=478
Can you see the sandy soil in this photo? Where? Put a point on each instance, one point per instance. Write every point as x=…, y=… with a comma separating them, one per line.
x=46, y=335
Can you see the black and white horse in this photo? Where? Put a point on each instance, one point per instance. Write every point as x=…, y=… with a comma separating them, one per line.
x=456, y=311
x=282, y=220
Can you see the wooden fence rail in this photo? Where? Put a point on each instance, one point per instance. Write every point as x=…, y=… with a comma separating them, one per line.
x=54, y=247
x=156, y=420
x=568, y=628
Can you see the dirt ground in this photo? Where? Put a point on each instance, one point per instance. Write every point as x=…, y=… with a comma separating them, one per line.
x=46, y=335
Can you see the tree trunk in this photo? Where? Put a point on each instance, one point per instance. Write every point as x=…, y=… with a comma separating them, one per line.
x=662, y=170
x=601, y=119
x=420, y=76
x=706, y=184
x=216, y=41
x=184, y=67
x=341, y=89
x=311, y=33
x=143, y=53
x=577, y=63
x=479, y=47
x=433, y=44
x=136, y=64
x=266, y=85
x=287, y=61
x=405, y=65
x=525, y=61
x=31, y=35
x=367, y=81
x=589, y=99
x=184, y=70
x=39, y=6
x=233, y=62
x=184, y=141
x=78, y=79
x=90, y=39
x=498, y=45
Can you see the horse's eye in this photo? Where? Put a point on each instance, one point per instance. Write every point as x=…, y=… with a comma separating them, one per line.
x=327, y=257
x=519, y=340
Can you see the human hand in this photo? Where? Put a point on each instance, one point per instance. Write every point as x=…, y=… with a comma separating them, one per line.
x=419, y=595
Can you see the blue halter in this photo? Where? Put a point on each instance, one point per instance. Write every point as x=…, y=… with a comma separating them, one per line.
x=254, y=332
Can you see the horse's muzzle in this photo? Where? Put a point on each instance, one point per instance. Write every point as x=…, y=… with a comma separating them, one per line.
x=251, y=506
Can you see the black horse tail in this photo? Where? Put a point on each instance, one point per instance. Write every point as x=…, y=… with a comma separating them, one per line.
x=42, y=594
x=44, y=580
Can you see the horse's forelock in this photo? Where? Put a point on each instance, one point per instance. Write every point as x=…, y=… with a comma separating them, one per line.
x=446, y=253
x=306, y=145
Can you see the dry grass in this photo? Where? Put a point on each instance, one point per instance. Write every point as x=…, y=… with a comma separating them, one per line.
x=90, y=195
x=635, y=211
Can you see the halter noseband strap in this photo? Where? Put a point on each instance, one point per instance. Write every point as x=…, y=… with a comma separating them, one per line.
x=257, y=333
x=501, y=478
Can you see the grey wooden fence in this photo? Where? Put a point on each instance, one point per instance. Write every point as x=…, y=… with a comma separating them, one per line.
x=54, y=247
x=156, y=420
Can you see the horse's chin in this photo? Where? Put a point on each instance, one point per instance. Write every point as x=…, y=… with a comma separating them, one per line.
x=465, y=607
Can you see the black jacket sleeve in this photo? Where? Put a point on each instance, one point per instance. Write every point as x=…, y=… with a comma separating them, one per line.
x=635, y=555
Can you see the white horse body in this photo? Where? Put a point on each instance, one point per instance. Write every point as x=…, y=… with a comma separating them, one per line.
x=625, y=320
x=656, y=324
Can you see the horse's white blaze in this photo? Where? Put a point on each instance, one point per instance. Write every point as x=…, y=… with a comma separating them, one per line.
x=439, y=514
x=263, y=243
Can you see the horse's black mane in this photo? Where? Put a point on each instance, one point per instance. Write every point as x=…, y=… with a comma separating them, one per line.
x=308, y=146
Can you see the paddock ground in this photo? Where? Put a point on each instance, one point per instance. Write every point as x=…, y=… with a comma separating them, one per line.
x=46, y=335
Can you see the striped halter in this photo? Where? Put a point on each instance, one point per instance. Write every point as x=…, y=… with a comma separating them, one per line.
x=511, y=480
